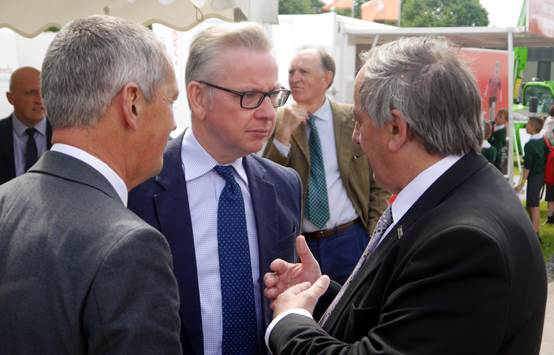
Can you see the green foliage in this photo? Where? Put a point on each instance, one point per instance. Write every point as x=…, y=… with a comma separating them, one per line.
x=344, y=12
x=443, y=13
x=357, y=8
x=297, y=7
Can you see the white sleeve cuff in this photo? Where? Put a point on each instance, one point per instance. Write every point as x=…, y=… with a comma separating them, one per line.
x=284, y=149
x=300, y=311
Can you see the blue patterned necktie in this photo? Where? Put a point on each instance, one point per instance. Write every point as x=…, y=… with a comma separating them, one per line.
x=31, y=153
x=382, y=225
x=317, y=202
x=237, y=291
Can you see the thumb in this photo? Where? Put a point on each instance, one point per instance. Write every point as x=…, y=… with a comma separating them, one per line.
x=320, y=286
x=304, y=252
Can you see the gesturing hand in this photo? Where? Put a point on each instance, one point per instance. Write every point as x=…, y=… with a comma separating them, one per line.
x=284, y=275
x=303, y=295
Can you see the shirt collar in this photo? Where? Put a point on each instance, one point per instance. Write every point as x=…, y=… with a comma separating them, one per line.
x=115, y=180
x=498, y=127
x=20, y=128
x=324, y=111
x=413, y=191
x=199, y=162
x=537, y=136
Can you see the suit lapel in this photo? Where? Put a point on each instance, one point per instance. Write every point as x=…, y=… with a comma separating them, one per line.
x=450, y=180
x=299, y=136
x=343, y=140
x=264, y=203
x=173, y=212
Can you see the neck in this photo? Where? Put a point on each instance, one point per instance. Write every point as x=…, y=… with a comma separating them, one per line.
x=222, y=155
x=91, y=141
x=314, y=105
x=28, y=122
x=413, y=162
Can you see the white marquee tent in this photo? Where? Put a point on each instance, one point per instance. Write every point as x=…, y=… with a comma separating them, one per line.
x=31, y=17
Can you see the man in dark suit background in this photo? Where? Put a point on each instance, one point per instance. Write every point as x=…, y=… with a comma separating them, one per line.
x=233, y=91
x=348, y=195
x=81, y=274
x=455, y=267
x=25, y=134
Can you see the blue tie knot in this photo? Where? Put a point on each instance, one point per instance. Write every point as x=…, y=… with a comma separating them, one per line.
x=226, y=172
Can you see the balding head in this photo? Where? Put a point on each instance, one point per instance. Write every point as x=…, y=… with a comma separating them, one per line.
x=25, y=96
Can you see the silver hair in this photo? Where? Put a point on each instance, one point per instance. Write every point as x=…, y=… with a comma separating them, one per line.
x=90, y=60
x=209, y=44
x=423, y=78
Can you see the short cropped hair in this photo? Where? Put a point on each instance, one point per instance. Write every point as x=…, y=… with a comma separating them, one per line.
x=91, y=59
x=536, y=122
x=208, y=46
x=423, y=78
x=503, y=113
x=327, y=63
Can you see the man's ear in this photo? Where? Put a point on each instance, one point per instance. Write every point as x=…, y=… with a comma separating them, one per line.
x=198, y=99
x=9, y=97
x=328, y=77
x=398, y=129
x=132, y=103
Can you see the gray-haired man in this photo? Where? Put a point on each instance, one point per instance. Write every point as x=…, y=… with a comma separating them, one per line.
x=81, y=274
x=456, y=267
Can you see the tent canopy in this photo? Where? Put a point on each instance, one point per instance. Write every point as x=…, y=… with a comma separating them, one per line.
x=31, y=17
x=476, y=37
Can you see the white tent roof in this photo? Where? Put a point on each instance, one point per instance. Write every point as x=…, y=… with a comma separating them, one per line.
x=476, y=37
x=31, y=17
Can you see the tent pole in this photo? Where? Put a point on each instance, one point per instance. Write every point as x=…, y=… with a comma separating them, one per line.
x=511, y=129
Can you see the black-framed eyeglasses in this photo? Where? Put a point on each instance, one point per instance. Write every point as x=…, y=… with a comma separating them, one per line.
x=253, y=99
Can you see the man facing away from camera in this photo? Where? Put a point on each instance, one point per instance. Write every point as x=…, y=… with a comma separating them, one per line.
x=80, y=273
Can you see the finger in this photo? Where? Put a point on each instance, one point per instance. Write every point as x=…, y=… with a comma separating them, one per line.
x=278, y=266
x=270, y=279
x=296, y=289
x=304, y=253
x=320, y=286
x=271, y=293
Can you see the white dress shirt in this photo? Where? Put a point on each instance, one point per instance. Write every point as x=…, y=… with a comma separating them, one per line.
x=342, y=210
x=204, y=186
x=20, y=142
x=115, y=180
x=403, y=202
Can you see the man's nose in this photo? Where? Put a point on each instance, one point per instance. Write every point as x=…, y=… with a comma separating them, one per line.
x=266, y=109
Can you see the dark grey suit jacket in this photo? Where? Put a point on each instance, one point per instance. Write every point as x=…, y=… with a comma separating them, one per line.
x=460, y=273
x=80, y=273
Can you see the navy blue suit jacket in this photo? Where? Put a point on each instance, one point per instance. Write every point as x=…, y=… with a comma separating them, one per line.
x=163, y=202
x=7, y=161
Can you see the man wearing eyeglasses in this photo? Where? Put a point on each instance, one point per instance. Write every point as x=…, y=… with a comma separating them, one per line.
x=314, y=136
x=225, y=212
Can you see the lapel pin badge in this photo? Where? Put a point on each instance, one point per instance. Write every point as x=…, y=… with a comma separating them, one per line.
x=400, y=232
